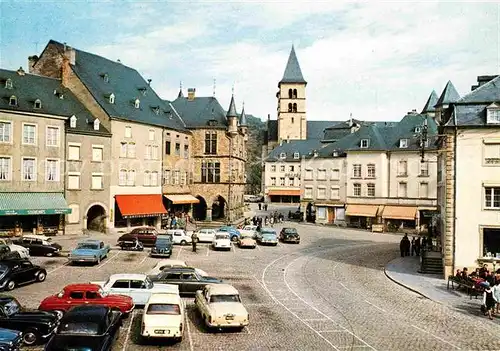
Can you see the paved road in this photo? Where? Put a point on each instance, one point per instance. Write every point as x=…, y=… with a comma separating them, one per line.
x=329, y=292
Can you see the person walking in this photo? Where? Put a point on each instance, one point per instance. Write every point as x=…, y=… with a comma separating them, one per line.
x=194, y=240
x=405, y=245
x=496, y=295
x=260, y=206
x=489, y=300
x=413, y=246
x=402, y=247
x=417, y=246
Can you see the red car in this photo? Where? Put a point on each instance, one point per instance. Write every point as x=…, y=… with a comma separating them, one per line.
x=83, y=294
x=146, y=235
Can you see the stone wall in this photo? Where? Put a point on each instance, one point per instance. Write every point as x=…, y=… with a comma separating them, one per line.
x=449, y=215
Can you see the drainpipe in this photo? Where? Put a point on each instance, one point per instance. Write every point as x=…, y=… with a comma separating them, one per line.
x=454, y=185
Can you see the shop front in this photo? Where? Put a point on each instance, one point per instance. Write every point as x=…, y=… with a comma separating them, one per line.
x=362, y=216
x=284, y=195
x=31, y=212
x=400, y=218
x=330, y=214
x=139, y=210
x=179, y=203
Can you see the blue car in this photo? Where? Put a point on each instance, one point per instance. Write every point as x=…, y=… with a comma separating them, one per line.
x=89, y=250
x=10, y=340
x=234, y=233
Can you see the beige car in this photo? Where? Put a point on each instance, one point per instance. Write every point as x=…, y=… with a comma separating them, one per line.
x=246, y=240
x=220, y=307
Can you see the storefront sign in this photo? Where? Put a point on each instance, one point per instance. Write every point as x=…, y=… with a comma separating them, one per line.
x=34, y=212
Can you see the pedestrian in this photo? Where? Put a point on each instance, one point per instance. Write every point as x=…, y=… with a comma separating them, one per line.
x=405, y=246
x=271, y=221
x=402, y=247
x=265, y=207
x=260, y=206
x=194, y=240
x=417, y=246
x=489, y=300
x=496, y=295
x=413, y=246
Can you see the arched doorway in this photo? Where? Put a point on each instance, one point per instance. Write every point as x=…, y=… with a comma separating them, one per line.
x=218, y=208
x=310, y=213
x=95, y=218
x=200, y=209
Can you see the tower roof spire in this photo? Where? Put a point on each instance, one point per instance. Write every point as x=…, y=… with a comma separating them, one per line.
x=449, y=95
x=431, y=102
x=243, y=117
x=180, y=90
x=293, y=73
x=231, y=112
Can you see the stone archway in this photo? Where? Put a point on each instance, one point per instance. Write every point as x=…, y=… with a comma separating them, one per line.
x=96, y=215
x=200, y=209
x=218, y=208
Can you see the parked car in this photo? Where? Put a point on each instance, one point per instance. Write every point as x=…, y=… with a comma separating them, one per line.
x=185, y=278
x=249, y=229
x=86, y=294
x=179, y=236
x=165, y=264
x=221, y=241
x=234, y=233
x=10, y=340
x=17, y=272
x=296, y=215
x=138, y=286
x=146, y=235
x=162, y=247
x=267, y=236
x=89, y=250
x=206, y=235
x=289, y=235
x=36, y=326
x=163, y=317
x=220, y=306
x=22, y=251
x=7, y=254
x=39, y=245
x=86, y=328
x=247, y=240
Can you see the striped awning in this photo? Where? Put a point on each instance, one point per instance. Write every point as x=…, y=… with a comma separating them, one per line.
x=400, y=212
x=182, y=199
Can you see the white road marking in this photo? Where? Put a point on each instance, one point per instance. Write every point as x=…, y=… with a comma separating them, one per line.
x=108, y=260
x=128, y=331
x=179, y=253
x=190, y=338
x=315, y=319
x=57, y=268
x=379, y=308
x=436, y=337
x=144, y=259
x=208, y=250
x=345, y=287
x=332, y=331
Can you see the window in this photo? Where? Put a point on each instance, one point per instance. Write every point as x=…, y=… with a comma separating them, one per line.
x=365, y=143
x=290, y=107
x=148, y=152
x=122, y=177
x=493, y=116
x=321, y=174
x=177, y=149
x=74, y=216
x=167, y=147
x=403, y=168
x=154, y=154
x=403, y=143
x=147, y=178
x=112, y=98
x=273, y=181
x=290, y=93
x=97, y=123
x=74, y=181
x=13, y=100
x=291, y=181
x=73, y=152
x=424, y=169
x=123, y=149
x=72, y=122
x=321, y=193
x=309, y=174
x=166, y=176
x=282, y=168
x=97, y=181
x=402, y=189
x=335, y=174
x=131, y=178
x=5, y=132
x=137, y=103
x=92, y=295
x=291, y=168
x=321, y=213
x=491, y=153
x=151, y=135
x=105, y=77
x=308, y=193
x=356, y=189
x=29, y=134
x=52, y=136
x=97, y=151
x=423, y=192
x=273, y=168
x=210, y=172
x=131, y=150
x=296, y=155
x=154, y=178
x=128, y=132
x=29, y=169
x=77, y=295
x=334, y=193
x=176, y=179
x=294, y=108
x=491, y=242
x=282, y=181
x=356, y=171
x=492, y=197
x=370, y=190
x=293, y=120
x=52, y=170
x=211, y=143
x=186, y=151
x=121, y=284
x=294, y=93
x=8, y=84
x=5, y=168
x=371, y=171
x=37, y=104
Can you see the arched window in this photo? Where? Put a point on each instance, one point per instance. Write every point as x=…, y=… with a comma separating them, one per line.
x=294, y=93
x=13, y=100
x=112, y=98
x=137, y=103
x=72, y=121
x=290, y=107
x=294, y=107
x=290, y=93
x=38, y=103
x=96, y=124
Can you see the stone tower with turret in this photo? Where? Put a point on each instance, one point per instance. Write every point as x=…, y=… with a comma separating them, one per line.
x=292, y=122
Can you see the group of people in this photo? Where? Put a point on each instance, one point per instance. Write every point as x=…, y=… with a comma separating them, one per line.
x=178, y=220
x=413, y=247
x=267, y=221
x=262, y=206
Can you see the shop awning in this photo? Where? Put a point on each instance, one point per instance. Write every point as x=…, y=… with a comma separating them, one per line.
x=24, y=204
x=362, y=210
x=140, y=205
x=400, y=212
x=285, y=192
x=182, y=199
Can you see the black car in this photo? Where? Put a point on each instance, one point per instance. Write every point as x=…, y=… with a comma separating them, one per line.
x=289, y=235
x=17, y=272
x=39, y=245
x=36, y=326
x=188, y=280
x=163, y=246
x=86, y=327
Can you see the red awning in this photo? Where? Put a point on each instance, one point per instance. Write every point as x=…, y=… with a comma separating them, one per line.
x=140, y=205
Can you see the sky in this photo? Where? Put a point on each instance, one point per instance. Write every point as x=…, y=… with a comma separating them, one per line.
x=376, y=60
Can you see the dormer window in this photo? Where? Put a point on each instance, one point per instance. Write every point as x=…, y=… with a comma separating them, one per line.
x=365, y=143
x=493, y=114
x=143, y=91
x=137, y=103
x=282, y=155
x=296, y=155
x=425, y=143
x=13, y=100
x=96, y=124
x=38, y=104
x=403, y=143
x=72, y=122
x=8, y=84
x=105, y=77
x=112, y=98
x=418, y=129
x=156, y=110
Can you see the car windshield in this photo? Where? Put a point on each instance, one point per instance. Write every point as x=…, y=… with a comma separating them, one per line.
x=290, y=231
x=225, y=298
x=87, y=246
x=87, y=328
x=264, y=232
x=3, y=269
x=222, y=237
x=164, y=308
x=269, y=235
x=11, y=307
x=246, y=235
x=165, y=239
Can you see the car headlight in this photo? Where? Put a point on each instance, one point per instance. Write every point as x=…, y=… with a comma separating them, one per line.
x=59, y=314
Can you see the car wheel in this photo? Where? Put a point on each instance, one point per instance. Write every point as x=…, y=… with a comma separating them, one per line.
x=49, y=254
x=10, y=285
x=40, y=277
x=234, y=238
x=183, y=242
x=30, y=337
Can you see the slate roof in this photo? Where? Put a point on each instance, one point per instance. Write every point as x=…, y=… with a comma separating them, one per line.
x=293, y=73
x=198, y=112
x=431, y=102
x=486, y=93
x=231, y=112
x=470, y=115
x=449, y=95
x=127, y=85
x=315, y=129
x=303, y=147
x=243, y=118
x=28, y=87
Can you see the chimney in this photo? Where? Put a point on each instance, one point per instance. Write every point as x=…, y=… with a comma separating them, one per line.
x=191, y=94
x=268, y=116
x=149, y=81
x=32, y=60
x=21, y=72
x=69, y=54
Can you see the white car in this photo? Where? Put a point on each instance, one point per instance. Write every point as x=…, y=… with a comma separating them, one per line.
x=179, y=236
x=249, y=229
x=206, y=235
x=138, y=286
x=163, y=317
x=222, y=241
x=22, y=251
x=168, y=263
